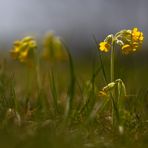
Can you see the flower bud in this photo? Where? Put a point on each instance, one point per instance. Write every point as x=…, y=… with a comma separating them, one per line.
x=109, y=86
x=109, y=38
x=120, y=43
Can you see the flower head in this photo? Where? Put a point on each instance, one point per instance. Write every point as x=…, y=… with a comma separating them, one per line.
x=129, y=40
x=53, y=48
x=23, y=50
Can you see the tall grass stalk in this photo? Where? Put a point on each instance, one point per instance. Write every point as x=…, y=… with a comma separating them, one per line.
x=101, y=61
x=71, y=89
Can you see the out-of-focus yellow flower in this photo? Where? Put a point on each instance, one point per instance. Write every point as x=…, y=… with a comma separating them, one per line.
x=23, y=56
x=53, y=48
x=105, y=46
x=15, y=51
x=23, y=50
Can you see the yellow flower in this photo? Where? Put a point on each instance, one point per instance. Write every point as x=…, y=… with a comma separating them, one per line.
x=141, y=38
x=137, y=36
x=16, y=49
x=126, y=49
x=53, y=48
x=23, y=56
x=23, y=50
x=129, y=40
x=104, y=46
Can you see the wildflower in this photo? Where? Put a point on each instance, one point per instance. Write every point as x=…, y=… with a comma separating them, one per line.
x=53, y=48
x=23, y=50
x=23, y=55
x=126, y=49
x=128, y=40
x=104, y=46
x=137, y=36
x=133, y=42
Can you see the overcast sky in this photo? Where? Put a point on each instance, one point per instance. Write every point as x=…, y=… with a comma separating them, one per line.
x=75, y=18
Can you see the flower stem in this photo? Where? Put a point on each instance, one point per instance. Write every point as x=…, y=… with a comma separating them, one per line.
x=112, y=62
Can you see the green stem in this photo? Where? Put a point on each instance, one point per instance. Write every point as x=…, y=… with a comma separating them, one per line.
x=112, y=62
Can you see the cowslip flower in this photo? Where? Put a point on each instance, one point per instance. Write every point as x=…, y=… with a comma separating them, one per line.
x=104, y=46
x=53, y=48
x=129, y=48
x=23, y=50
x=132, y=42
x=126, y=49
x=137, y=36
x=128, y=40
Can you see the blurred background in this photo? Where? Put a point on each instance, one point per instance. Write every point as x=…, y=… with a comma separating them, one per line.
x=76, y=21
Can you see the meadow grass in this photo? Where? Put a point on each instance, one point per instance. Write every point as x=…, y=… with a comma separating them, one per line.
x=62, y=106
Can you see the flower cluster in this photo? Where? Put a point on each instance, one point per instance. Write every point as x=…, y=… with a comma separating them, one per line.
x=53, y=48
x=23, y=50
x=129, y=40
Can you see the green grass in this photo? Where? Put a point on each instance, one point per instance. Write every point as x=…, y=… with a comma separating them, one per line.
x=67, y=111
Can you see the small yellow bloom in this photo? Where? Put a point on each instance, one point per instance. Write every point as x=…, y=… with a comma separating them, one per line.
x=129, y=48
x=137, y=35
x=141, y=38
x=104, y=46
x=126, y=49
